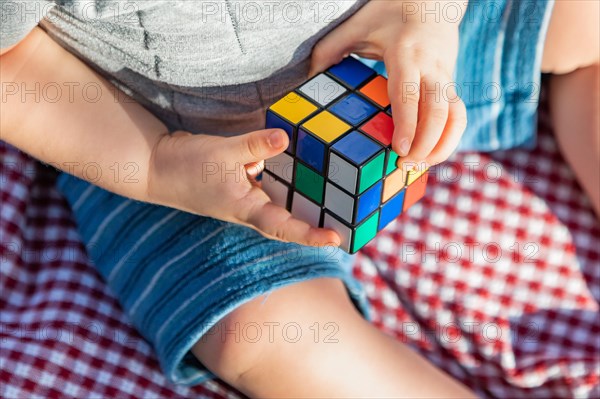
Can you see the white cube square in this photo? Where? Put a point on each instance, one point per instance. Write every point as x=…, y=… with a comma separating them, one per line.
x=339, y=203
x=342, y=173
x=344, y=231
x=281, y=166
x=306, y=210
x=275, y=189
x=322, y=89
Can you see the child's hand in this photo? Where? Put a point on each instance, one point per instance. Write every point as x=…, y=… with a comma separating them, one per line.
x=215, y=176
x=420, y=55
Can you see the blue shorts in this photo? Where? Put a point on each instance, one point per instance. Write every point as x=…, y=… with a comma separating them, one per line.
x=177, y=274
x=498, y=71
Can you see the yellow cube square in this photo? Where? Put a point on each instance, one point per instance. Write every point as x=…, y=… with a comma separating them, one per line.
x=326, y=126
x=293, y=107
x=414, y=174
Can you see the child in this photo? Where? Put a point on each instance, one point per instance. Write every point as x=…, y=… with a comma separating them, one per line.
x=138, y=78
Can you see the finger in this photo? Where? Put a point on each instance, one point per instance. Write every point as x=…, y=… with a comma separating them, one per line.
x=455, y=127
x=404, y=89
x=433, y=115
x=259, y=145
x=333, y=47
x=275, y=222
x=254, y=169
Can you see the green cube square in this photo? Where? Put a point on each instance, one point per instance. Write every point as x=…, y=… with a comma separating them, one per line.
x=353, y=237
x=392, y=158
x=309, y=182
x=365, y=232
x=371, y=172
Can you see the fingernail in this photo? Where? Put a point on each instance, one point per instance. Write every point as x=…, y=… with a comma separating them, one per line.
x=276, y=139
x=404, y=147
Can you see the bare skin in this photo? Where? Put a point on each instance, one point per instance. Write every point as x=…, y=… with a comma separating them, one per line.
x=572, y=55
x=354, y=360
x=365, y=362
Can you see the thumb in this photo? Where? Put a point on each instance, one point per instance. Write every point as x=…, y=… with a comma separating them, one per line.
x=333, y=47
x=260, y=145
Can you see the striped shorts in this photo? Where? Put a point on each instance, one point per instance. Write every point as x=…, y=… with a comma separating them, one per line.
x=176, y=274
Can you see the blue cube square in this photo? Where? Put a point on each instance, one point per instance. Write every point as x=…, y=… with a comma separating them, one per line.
x=368, y=202
x=310, y=150
x=275, y=122
x=391, y=209
x=356, y=147
x=351, y=72
x=353, y=109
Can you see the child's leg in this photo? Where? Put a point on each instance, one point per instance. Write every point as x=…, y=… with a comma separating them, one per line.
x=346, y=358
x=572, y=54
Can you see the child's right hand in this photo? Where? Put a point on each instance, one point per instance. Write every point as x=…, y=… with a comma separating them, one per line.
x=209, y=176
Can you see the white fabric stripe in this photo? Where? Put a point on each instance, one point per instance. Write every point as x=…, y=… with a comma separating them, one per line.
x=106, y=221
x=206, y=287
x=497, y=76
x=143, y=238
x=86, y=193
x=163, y=268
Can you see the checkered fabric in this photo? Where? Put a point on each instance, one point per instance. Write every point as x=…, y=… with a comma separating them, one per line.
x=494, y=276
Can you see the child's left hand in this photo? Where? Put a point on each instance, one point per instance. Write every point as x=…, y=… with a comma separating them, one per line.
x=420, y=55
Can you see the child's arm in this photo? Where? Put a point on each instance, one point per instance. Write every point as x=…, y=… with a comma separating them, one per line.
x=97, y=133
x=419, y=43
x=61, y=112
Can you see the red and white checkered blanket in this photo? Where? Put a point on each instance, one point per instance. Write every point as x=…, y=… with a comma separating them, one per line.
x=494, y=276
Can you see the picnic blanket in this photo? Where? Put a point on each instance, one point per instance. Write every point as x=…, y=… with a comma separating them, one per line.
x=494, y=276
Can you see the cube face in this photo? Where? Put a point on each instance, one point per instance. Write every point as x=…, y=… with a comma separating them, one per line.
x=343, y=173
x=274, y=121
x=391, y=209
x=277, y=190
x=393, y=184
x=345, y=232
x=304, y=209
x=415, y=174
x=309, y=183
x=390, y=163
x=371, y=172
x=365, y=232
x=340, y=170
x=380, y=128
x=293, y=108
x=353, y=109
x=415, y=191
x=351, y=72
x=325, y=126
x=368, y=202
x=340, y=203
x=281, y=166
x=310, y=150
x=322, y=89
x=376, y=90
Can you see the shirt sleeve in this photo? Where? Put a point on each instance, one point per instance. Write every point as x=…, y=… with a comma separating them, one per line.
x=19, y=17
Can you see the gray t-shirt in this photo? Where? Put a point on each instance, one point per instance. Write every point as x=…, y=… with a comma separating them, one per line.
x=208, y=66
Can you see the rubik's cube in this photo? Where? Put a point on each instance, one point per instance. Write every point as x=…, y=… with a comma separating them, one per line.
x=339, y=170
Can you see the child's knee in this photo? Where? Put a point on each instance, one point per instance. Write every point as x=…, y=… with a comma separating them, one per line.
x=263, y=327
x=232, y=346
